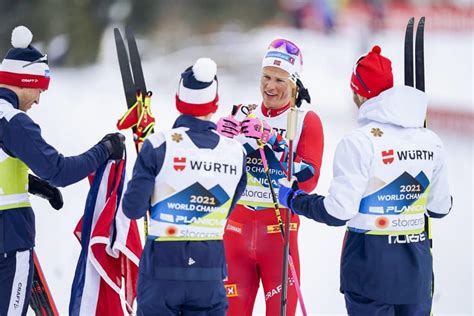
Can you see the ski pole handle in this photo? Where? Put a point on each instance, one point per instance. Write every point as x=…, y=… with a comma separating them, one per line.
x=291, y=124
x=235, y=109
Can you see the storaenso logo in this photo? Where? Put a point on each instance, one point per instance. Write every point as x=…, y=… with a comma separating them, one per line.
x=16, y=303
x=213, y=167
x=415, y=154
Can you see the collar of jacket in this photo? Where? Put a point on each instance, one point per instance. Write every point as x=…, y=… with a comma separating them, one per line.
x=273, y=112
x=9, y=96
x=193, y=123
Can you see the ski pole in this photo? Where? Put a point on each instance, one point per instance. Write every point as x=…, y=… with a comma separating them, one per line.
x=290, y=135
x=282, y=230
x=278, y=216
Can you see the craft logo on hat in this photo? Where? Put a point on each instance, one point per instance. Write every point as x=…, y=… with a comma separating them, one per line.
x=24, y=66
x=197, y=91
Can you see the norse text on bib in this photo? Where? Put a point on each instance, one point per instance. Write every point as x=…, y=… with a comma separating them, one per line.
x=396, y=197
x=194, y=189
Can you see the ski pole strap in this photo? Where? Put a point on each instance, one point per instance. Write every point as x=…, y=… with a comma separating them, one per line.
x=139, y=118
x=146, y=121
x=130, y=118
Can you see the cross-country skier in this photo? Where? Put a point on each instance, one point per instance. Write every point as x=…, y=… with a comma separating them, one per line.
x=189, y=178
x=24, y=75
x=253, y=241
x=388, y=174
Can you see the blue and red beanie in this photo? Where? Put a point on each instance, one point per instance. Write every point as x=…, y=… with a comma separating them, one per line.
x=197, y=91
x=24, y=66
x=372, y=74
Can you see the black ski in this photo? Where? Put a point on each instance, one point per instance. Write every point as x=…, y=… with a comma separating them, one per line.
x=420, y=56
x=124, y=64
x=135, y=61
x=409, y=76
x=41, y=301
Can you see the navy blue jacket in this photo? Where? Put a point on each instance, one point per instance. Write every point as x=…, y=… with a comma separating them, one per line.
x=169, y=260
x=21, y=138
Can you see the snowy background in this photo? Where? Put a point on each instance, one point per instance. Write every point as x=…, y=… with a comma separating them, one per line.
x=83, y=104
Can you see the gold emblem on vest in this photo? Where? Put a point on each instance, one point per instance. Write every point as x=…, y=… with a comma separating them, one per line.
x=176, y=137
x=377, y=132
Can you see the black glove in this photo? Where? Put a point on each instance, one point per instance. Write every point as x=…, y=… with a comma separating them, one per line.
x=115, y=143
x=46, y=191
x=303, y=94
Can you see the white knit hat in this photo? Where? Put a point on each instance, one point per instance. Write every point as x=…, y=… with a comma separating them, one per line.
x=284, y=54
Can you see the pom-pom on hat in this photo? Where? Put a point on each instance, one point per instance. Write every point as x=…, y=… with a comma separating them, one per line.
x=24, y=66
x=286, y=55
x=197, y=91
x=372, y=74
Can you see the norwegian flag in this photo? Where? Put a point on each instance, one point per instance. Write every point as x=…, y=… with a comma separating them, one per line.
x=107, y=270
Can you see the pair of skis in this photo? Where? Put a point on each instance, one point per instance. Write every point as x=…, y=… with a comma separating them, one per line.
x=138, y=116
x=415, y=63
x=415, y=77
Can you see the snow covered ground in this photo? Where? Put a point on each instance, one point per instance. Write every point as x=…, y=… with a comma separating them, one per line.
x=83, y=104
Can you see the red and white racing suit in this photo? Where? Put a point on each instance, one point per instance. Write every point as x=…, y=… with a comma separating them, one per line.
x=252, y=238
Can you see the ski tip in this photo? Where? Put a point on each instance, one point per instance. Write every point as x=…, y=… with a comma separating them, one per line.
x=422, y=20
x=411, y=20
x=128, y=30
x=117, y=32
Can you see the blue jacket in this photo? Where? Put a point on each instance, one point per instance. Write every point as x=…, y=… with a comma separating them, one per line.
x=21, y=138
x=169, y=260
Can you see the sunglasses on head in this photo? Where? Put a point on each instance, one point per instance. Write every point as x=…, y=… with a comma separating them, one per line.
x=290, y=47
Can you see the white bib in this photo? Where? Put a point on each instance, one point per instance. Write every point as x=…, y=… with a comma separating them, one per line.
x=194, y=189
x=399, y=182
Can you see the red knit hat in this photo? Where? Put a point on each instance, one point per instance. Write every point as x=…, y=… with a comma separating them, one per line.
x=372, y=74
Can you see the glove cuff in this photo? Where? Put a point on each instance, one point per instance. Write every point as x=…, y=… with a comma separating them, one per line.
x=292, y=197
